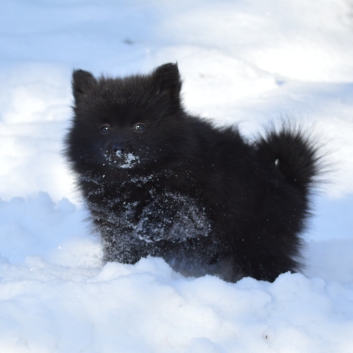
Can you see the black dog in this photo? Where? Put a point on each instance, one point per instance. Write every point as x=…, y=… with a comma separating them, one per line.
x=163, y=183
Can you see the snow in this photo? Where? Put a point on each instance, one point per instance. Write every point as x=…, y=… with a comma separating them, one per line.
x=130, y=160
x=247, y=62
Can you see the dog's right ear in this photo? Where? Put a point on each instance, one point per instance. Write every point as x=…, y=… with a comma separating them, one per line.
x=82, y=82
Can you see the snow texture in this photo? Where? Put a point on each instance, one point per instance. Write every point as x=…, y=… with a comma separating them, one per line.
x=246, y=62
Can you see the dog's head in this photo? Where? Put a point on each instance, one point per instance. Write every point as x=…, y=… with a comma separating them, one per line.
x=127, y=122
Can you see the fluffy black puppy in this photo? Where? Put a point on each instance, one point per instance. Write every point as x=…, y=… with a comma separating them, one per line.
x=160, y=182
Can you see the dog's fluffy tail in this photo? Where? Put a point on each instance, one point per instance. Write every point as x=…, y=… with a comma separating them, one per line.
x=293, y=152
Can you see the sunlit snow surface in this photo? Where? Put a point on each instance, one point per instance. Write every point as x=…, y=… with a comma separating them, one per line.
x=247, y=62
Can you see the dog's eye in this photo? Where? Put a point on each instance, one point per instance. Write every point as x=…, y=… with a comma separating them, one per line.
x=105, y=128
x=139, y=127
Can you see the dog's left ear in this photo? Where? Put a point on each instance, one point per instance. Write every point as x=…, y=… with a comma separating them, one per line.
x=167, y=81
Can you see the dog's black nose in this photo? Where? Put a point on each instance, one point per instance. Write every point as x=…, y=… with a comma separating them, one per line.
x=119, y=147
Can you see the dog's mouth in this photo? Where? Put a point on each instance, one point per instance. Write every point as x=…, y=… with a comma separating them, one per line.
x=128, y=160
x=122, y=159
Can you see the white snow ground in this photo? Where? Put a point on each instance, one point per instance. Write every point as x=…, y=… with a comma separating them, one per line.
x=246, y=62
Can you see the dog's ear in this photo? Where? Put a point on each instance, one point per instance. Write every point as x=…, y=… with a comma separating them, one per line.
x=82, y=82
x=166, y=80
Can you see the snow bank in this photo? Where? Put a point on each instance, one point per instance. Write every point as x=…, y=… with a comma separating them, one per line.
x=149, y=308
x=54, y=232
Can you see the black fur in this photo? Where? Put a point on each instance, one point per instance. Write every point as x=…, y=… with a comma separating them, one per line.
x=174, y=186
